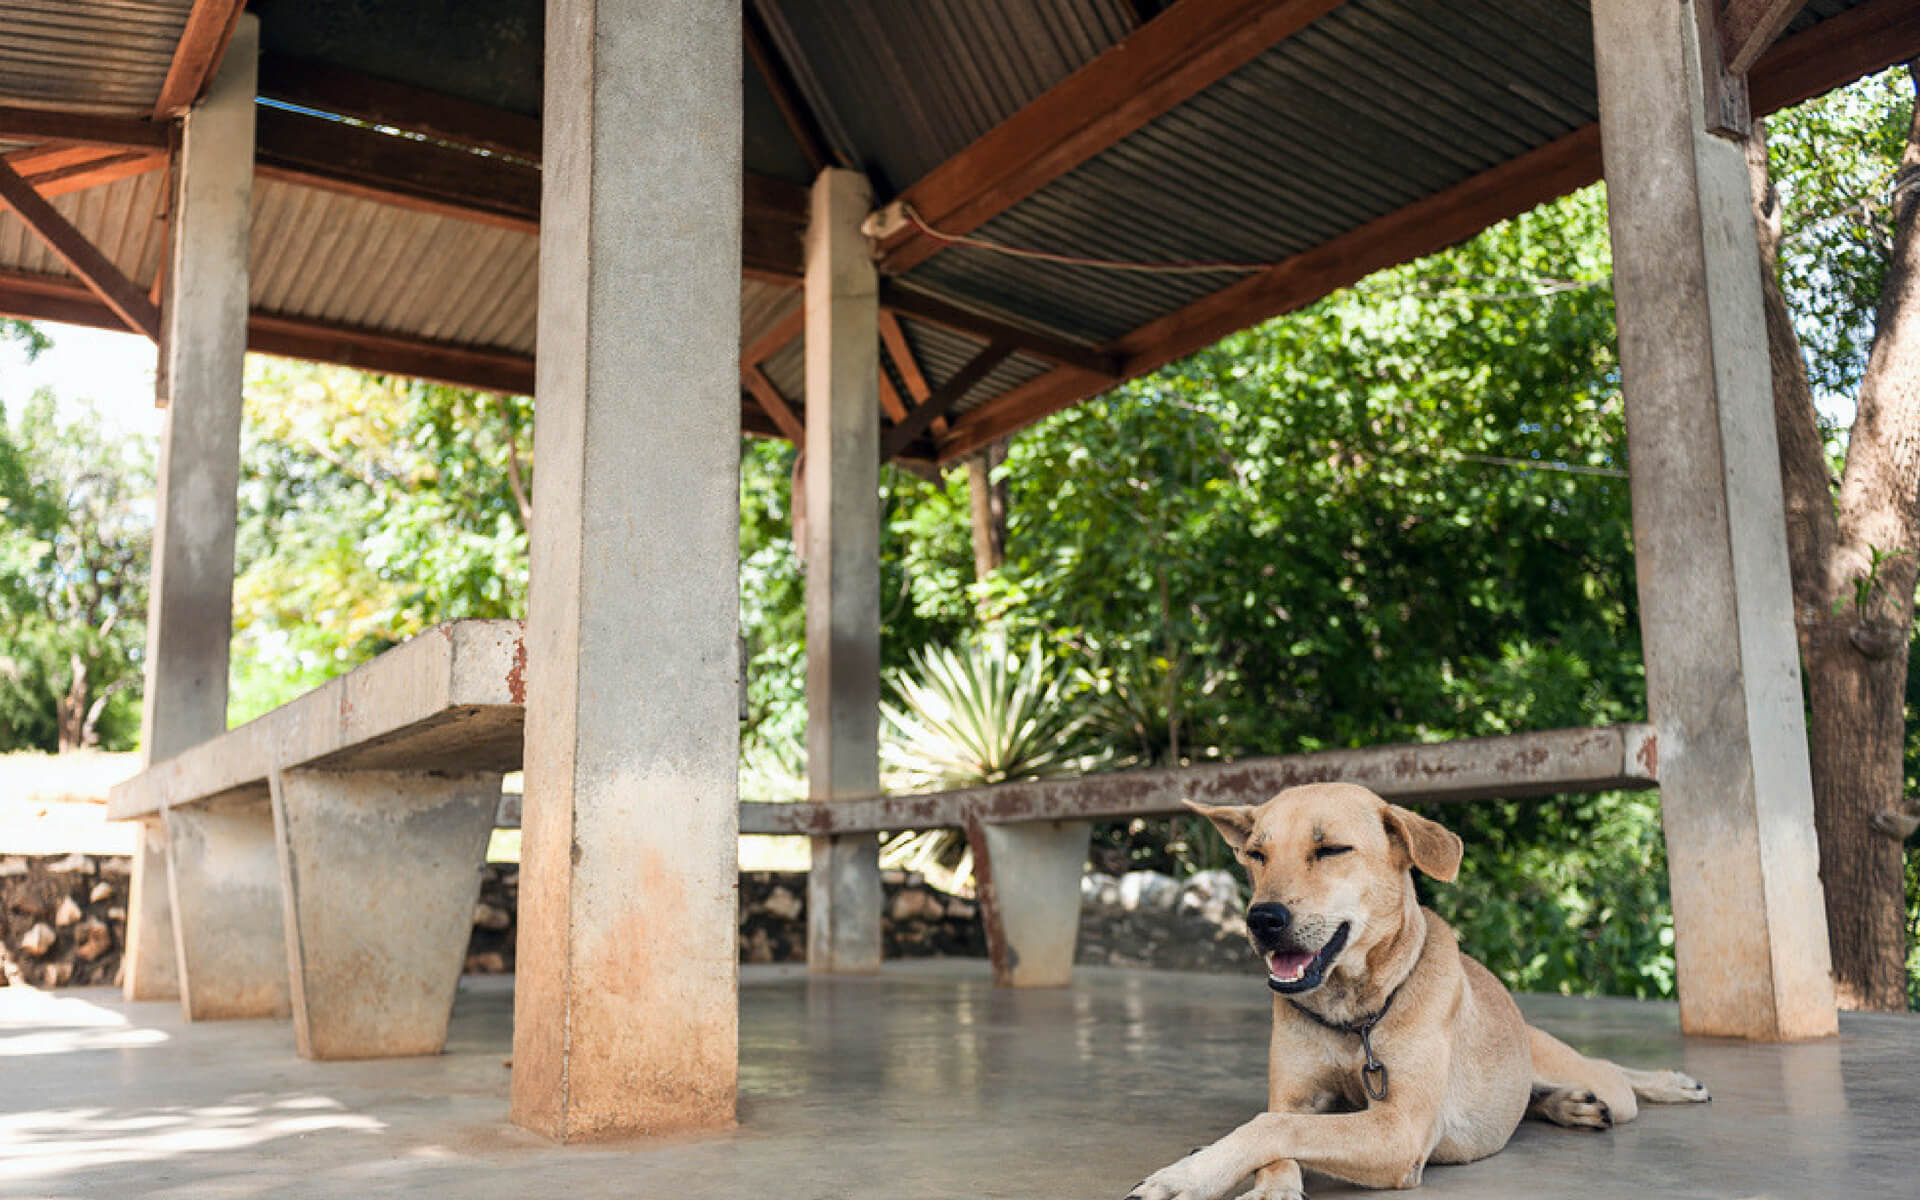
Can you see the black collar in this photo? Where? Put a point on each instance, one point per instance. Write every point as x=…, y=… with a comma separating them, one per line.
x=1373, y=1069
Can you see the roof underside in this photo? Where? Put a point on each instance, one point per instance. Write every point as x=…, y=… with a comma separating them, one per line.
x=1316, y=141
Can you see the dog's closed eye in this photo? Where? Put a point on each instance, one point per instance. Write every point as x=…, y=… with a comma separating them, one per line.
x=1256, y=856
x=1330, y=851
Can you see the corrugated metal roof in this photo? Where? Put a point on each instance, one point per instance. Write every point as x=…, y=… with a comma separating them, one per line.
x=913, y=84
x=124, y=220
x=97, y=56
x=1371, y=108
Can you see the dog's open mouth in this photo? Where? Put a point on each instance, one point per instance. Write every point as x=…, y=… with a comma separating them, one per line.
x=1294, y=971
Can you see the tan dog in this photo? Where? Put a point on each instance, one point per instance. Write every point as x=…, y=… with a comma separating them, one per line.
x=1391, y=1049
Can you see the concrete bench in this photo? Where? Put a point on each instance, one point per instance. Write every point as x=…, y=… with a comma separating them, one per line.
x=324, y=859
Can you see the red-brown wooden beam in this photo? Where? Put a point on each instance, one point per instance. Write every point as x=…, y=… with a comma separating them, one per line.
x=1748, y=27
x=1865, y=39
x=800, y=118
x=110, y=169
x=32, y=124
x=1166, y=62
x=898, y=437
x=363, y=97
x=55, y=298
x=118, y=293
x=773, y=404
x=935, y=311
x=209, y=28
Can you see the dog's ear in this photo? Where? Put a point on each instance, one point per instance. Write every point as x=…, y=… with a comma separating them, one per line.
x=1429, y=845
x=1234, y=821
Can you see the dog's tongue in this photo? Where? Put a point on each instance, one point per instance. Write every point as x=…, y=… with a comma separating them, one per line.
x=1288, y=966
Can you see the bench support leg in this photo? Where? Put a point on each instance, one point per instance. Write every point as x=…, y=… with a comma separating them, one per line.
x=380, y=871
x=1028, y=877
x=151, y=971
x=226, y=912
x=1716, y=603
x=842, y=538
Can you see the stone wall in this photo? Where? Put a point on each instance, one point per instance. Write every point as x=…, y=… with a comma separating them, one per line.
x=63, y=920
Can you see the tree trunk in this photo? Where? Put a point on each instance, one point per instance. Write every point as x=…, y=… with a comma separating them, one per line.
x=1854, y=571
x=989, y=499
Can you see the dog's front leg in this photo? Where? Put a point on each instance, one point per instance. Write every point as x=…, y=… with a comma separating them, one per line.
x=1385, y=1147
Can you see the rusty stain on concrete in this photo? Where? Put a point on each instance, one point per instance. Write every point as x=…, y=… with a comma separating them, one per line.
x=517, y=673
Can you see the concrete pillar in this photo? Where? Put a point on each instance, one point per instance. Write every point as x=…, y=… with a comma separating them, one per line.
x=625, y=1017
x=226, y=912
x=150, y=968
x=1028, y=877
x=1723, y=676
x=379, y=871
x=203, y=344
x=842, y=483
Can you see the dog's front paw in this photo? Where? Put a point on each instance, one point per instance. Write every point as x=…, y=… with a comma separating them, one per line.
x=1188, y=1179
x=1576, y=1108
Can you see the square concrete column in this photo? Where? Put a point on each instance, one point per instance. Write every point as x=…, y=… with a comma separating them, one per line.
x=150, y=969
x=625, y=1017
x=379, y=871
x=203, y=345
x=1723, y=674
x=1028, y=876
x=842, y=481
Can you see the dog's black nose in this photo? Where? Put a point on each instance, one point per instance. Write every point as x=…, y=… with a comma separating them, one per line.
x=1268, y=921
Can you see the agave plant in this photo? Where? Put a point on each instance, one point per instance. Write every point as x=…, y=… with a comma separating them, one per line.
x=976, y=716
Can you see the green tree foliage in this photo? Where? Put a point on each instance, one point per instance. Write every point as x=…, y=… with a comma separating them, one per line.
x=75, y=526
x=370, y=509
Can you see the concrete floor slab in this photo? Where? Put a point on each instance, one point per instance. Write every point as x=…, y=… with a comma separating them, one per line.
x=923, y=1081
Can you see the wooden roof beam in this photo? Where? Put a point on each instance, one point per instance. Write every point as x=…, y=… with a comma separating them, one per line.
x=1172, y=58
x=1867, y=38
x=115, y=290
x=799, y=116
x=901, y=435
x=1748, y=27
x=773, y=404
x=202, y=44
x=330, y=89
x=935, y=311
x=32, y=124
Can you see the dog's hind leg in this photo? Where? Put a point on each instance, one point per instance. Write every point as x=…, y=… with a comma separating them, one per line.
x=1571, y=1089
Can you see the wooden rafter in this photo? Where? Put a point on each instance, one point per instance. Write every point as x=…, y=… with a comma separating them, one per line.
x=32, y=124
x=1867, y=38
x=209, y=28
x=899, y=436
x=893, y=336
x=773, y=404
x=57, y=298
x=1748, y=27
x=776, y=337
x=922, y=307
x=1182, y=51
x=799, y=116
x=364, y=97
x=115, y=290
x=109, y=169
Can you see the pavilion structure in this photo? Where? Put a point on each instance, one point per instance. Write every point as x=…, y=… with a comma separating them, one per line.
x=789, y=217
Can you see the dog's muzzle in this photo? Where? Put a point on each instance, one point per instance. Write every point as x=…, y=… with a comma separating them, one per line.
x=1291, y=967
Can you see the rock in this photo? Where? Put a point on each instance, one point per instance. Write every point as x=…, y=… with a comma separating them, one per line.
x=55, y=975
x=1100, y=889
x=13, y=864
x=959, y=910
x=488, y=916
x=1148, y=891
x=1212, y=895
x=915, y=904
x=29, y=904
x=117, y=866
x=783, y=904
x=72, y=864
x=92, y=939
x=68, y=913
x=117, y=915
x=756, y=947
x=38, y=941
x=101, y=891
x=486, y=963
